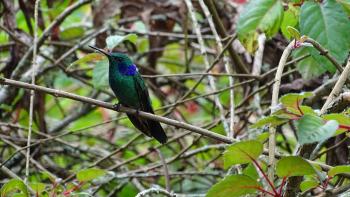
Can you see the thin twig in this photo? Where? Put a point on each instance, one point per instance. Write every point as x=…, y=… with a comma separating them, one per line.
x=258, y=57
x=166, y=171
x=193, y=75
x=274, y=103
x=155, y=191
x=172, y=174
x=341, y=103
x=337, y=87
x=313, y=157
x=31, y=104
x=162, y=34
x=325, y=53
x=321, y=91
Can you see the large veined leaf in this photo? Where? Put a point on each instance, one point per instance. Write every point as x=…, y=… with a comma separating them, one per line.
x=293, y=101
x=309, y=67
x=242, y=152
x=293, y=166
x=234, y=186
x=328, y=24
x=265, y=15
x=311, y=128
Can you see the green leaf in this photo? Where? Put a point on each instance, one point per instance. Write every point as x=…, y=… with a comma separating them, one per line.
x=250, y=41
x=234, y=186
x=293, y=166
x=38, y=187
x=263, y=15
x=294, y=33
x=113, y=41
x=307, y=110
x=72, y=33
x=100, y=74
x=342, y=119
x=250, y=171
x=57, y=8
x=91, y=57
x=293, y=100
x=242, y=152
x=309, y=68
x=263, y=137
x=5, y=107
x=290, y=21
x=13, y=185
x=311, y=128
x=272, y=120
x=308, y=184
x=339, y=170
x=90, y=174
x=285, y=114
x=328, y=24
x=18, y=195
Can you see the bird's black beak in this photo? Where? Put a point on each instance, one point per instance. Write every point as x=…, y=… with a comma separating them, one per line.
x=101, y=51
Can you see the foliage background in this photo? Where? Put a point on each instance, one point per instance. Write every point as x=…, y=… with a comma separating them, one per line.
x=70, y=138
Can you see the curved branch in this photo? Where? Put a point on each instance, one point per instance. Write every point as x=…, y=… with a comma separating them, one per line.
x=325, y=53
x=274, y=103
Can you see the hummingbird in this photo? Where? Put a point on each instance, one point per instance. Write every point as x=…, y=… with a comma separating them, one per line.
x=131, y=91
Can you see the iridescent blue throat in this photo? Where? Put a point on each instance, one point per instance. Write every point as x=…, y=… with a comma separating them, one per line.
x=129, y=70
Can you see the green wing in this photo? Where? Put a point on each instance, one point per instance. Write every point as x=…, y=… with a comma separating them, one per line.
x=142, y=92
x=149, y=127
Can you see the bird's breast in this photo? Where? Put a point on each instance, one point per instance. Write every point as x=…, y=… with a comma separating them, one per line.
x=124, y=89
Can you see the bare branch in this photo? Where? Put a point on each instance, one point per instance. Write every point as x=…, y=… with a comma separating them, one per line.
x=60, y=93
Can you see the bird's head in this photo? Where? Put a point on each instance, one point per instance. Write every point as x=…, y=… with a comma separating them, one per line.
x=114, y=57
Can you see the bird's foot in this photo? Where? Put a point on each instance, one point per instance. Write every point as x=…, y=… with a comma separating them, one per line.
x=137, y=111
x=117, y=106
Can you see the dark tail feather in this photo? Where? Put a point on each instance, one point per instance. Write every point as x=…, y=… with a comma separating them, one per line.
x=157, y=131
x=139, y=124
x=149, y=127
